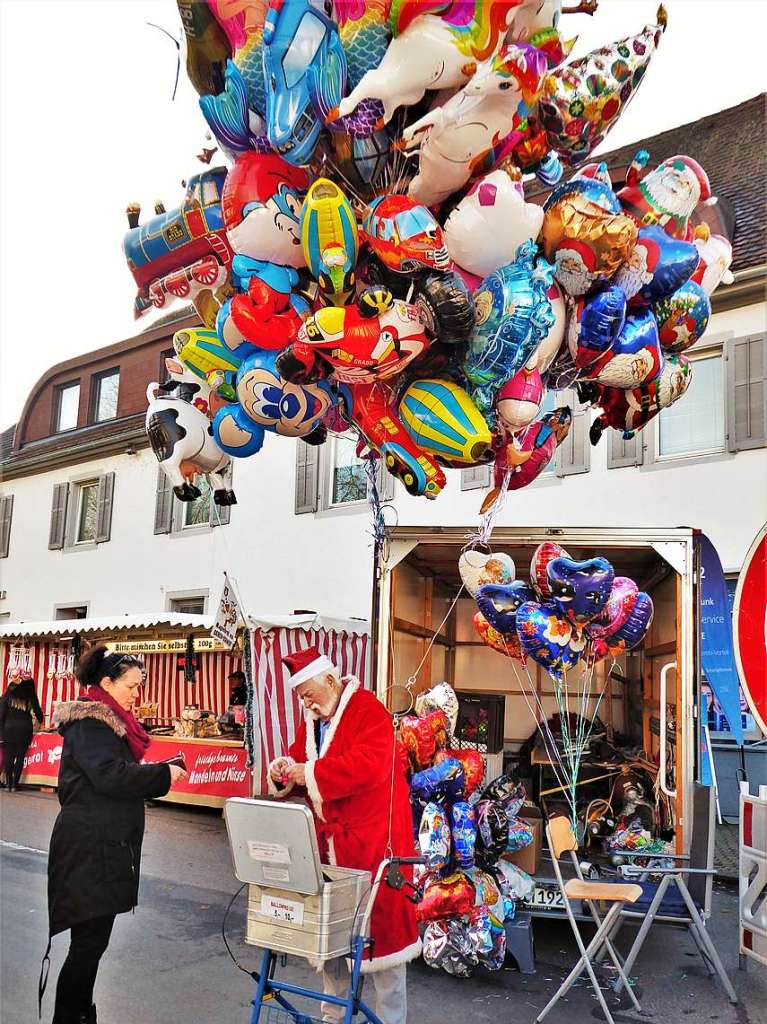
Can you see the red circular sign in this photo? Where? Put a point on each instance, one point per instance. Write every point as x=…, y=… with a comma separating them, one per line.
x=750, y=628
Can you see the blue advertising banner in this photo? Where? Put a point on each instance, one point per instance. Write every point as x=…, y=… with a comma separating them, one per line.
x=705, y=752
x=717, y=656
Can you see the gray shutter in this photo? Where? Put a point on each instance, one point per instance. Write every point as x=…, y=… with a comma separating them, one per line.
x=621, y=452
x=384, y=482
x=747, y=392
x=106, y=495
x=307, y=465
x=58, y=516
x=474, y=477
x=163, y=503
x=574, y=454
x=6, y=515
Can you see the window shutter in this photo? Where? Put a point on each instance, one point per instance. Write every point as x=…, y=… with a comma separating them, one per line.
x=106, y=495
x=307, y=463
x=747, y=392
x=574, y=454
x=474, y=477
x=163, y=503
x=6, y=515
x=621, y=452
x=58, y=516
x=384, y=482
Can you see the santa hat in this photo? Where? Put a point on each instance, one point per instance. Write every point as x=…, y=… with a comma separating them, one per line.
x=306, y=665
x=584, y=250
x=681, y=162
x=256, y=177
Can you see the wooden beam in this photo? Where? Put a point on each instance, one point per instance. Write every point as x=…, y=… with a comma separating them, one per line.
x=452, y=626
x=427, y=618
x=416, y=629
x=659, y=650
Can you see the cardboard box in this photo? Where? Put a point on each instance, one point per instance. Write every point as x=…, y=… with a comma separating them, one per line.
x=529, y=859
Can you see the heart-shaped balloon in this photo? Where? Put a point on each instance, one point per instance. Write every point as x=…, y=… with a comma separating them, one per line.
x=657, y=265
x=636, y=356
x=580, y=590
x=504, y=643
x=619, y=606
x=594, y=324
x=441, y=697
x=476, y=568
x=499, y=604
x=548, y=638
x=683, y=317
x=473, y=767
x=539, y=564
x=443, y=781
x=423, y=737
x=633, y=630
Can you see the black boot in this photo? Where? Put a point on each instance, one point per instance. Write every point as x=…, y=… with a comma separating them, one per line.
x=91, y=1018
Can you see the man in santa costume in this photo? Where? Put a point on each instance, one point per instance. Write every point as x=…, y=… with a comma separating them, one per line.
x=346, y=761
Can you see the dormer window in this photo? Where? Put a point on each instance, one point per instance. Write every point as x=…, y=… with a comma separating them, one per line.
x=106, y=387
x=67, y=406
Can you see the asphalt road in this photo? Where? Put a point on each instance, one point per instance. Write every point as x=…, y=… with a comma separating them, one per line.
x=167, y=963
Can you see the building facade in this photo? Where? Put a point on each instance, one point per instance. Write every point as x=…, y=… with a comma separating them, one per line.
x=90, y=527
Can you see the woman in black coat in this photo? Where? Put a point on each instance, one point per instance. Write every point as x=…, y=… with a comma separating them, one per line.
x=17, y=705
x=95, y=851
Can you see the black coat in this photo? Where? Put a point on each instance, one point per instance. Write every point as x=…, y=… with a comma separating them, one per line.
x=17, y=705
x=95, y=852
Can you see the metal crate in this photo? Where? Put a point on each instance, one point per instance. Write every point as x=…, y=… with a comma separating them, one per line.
x=318, y=927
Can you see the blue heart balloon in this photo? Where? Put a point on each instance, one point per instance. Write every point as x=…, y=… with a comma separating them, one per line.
x=595, y=323
x=636, y=356
x=597, y=190
x=548, y=638
x=500, y=603
x=636, y=625
x=657, y=266
x=580, y=590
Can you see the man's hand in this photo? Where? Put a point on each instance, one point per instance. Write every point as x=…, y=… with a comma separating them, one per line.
x=296, y=773
x=278, y=770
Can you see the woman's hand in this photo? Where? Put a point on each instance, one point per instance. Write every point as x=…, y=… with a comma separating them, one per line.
x=176, y=774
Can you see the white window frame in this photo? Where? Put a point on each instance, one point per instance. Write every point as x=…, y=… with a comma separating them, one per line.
x=97, y=385
x=64, y=605
x=202, y=593
x=77, y=510
x=57, y=428
x=710, y=351
x=179, y=513
x=327, y=465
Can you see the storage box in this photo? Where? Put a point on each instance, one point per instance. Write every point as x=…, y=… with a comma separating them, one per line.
x=480, y=722
x=319, y=927
x=529, y=859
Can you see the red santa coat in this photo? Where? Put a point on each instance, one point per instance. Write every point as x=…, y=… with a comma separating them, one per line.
x=351, y=784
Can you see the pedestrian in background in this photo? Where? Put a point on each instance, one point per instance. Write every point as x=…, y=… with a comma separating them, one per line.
x=17, y=705
x=95, y=850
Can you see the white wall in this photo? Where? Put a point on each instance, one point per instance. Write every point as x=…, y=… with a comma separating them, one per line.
x=323, y=562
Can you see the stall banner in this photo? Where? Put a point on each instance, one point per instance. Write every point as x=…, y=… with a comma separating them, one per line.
x=214, y=770
x=41, y=764
x=228, y=616
x=717, y=656
x=276, y=712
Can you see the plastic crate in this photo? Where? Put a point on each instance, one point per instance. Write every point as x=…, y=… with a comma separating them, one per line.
x=318, y=927
x=480, y=722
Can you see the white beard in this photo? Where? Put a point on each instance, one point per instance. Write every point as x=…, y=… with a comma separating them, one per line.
x=574, y=282
x=631, y=279
x=670, y=197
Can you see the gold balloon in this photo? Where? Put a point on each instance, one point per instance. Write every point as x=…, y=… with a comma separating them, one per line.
x=609, y=237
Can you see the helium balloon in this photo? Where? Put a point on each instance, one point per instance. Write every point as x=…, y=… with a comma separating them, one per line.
x=499, y=604
x=443, y=420
x=628, y=411
x=423, y=737
x=442, y=781
x=549, y=639
x=619, y=606
x=473, y=767
x=636, y=356
x=476, y=568
x=446, y=897
x=543, y=555
x=580, y=589
x=464, y=830
x=656, y=266
x=440, y=697
x=546, y=353
x=595, y=323
x=434, y=837
x=715, y=253
x=683, y=317
x=519, y=400
x=668, y=195
x=492, y=828
x=504, y=643
x=633, y=630
x=527, y=456
x=329, y=240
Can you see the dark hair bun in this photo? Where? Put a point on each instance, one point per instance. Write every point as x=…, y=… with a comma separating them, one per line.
x=90, y=670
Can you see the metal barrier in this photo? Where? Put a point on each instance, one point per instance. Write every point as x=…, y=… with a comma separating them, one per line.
x=753, y=875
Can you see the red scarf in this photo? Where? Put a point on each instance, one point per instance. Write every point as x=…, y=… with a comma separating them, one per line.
x=135, y=733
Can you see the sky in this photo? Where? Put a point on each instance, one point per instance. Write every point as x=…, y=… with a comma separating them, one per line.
x=88, y=124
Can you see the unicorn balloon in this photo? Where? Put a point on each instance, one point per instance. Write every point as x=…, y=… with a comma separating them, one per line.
x=489, y=115
x=435, y=46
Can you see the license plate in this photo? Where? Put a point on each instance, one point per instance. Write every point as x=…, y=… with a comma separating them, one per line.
x=548, y=897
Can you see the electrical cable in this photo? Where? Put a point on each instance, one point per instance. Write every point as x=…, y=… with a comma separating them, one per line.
x=233, y=958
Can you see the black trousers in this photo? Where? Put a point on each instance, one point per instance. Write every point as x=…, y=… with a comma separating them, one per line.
x=14, y=750
x=74, y=990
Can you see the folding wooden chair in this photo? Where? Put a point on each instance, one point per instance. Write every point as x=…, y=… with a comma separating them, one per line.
x=561, y=840
x=660, y=904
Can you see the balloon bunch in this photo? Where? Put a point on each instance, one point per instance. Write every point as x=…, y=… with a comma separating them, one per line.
x=369, y=261
x=465, y=830
x=569, y=610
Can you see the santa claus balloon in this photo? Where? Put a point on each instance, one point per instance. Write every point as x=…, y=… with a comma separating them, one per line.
x=668, y=195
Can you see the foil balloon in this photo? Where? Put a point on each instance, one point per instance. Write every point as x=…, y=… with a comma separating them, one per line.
x=508, y=790
x=715, y=253
x=452, y=896
x=439, y=698
x=513, y=880
x=527, y=457
x=633, y=630
x=580, y=589
x=328, y=231
x=504, y=643
x=500, y=604
x=629, y=411
x=464, y=829
x=440, y=782
x=434, y=839
x=471, y=231
x=518, y=401
x=520, y=836
x=656, y=266
x=492, y=829
x=683, y=317
x=583, y=99
x=450, y=946
x=549, y=347
x=549, y=639
x=476, y=568
x=513, y=317
x=595, y=323
x=636, y=356
x=667, y=195
x=473, y=767
x=619, y=606
x=442, y=419
x=543, y=555
x=423, y=737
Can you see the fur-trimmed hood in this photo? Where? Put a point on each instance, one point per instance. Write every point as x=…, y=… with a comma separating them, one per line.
x=71, y=711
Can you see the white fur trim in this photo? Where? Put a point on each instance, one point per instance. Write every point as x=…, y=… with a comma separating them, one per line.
x=332, y=851
x=314, y=668
x=272, y=788
x=312, y=790
x=383, y=963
